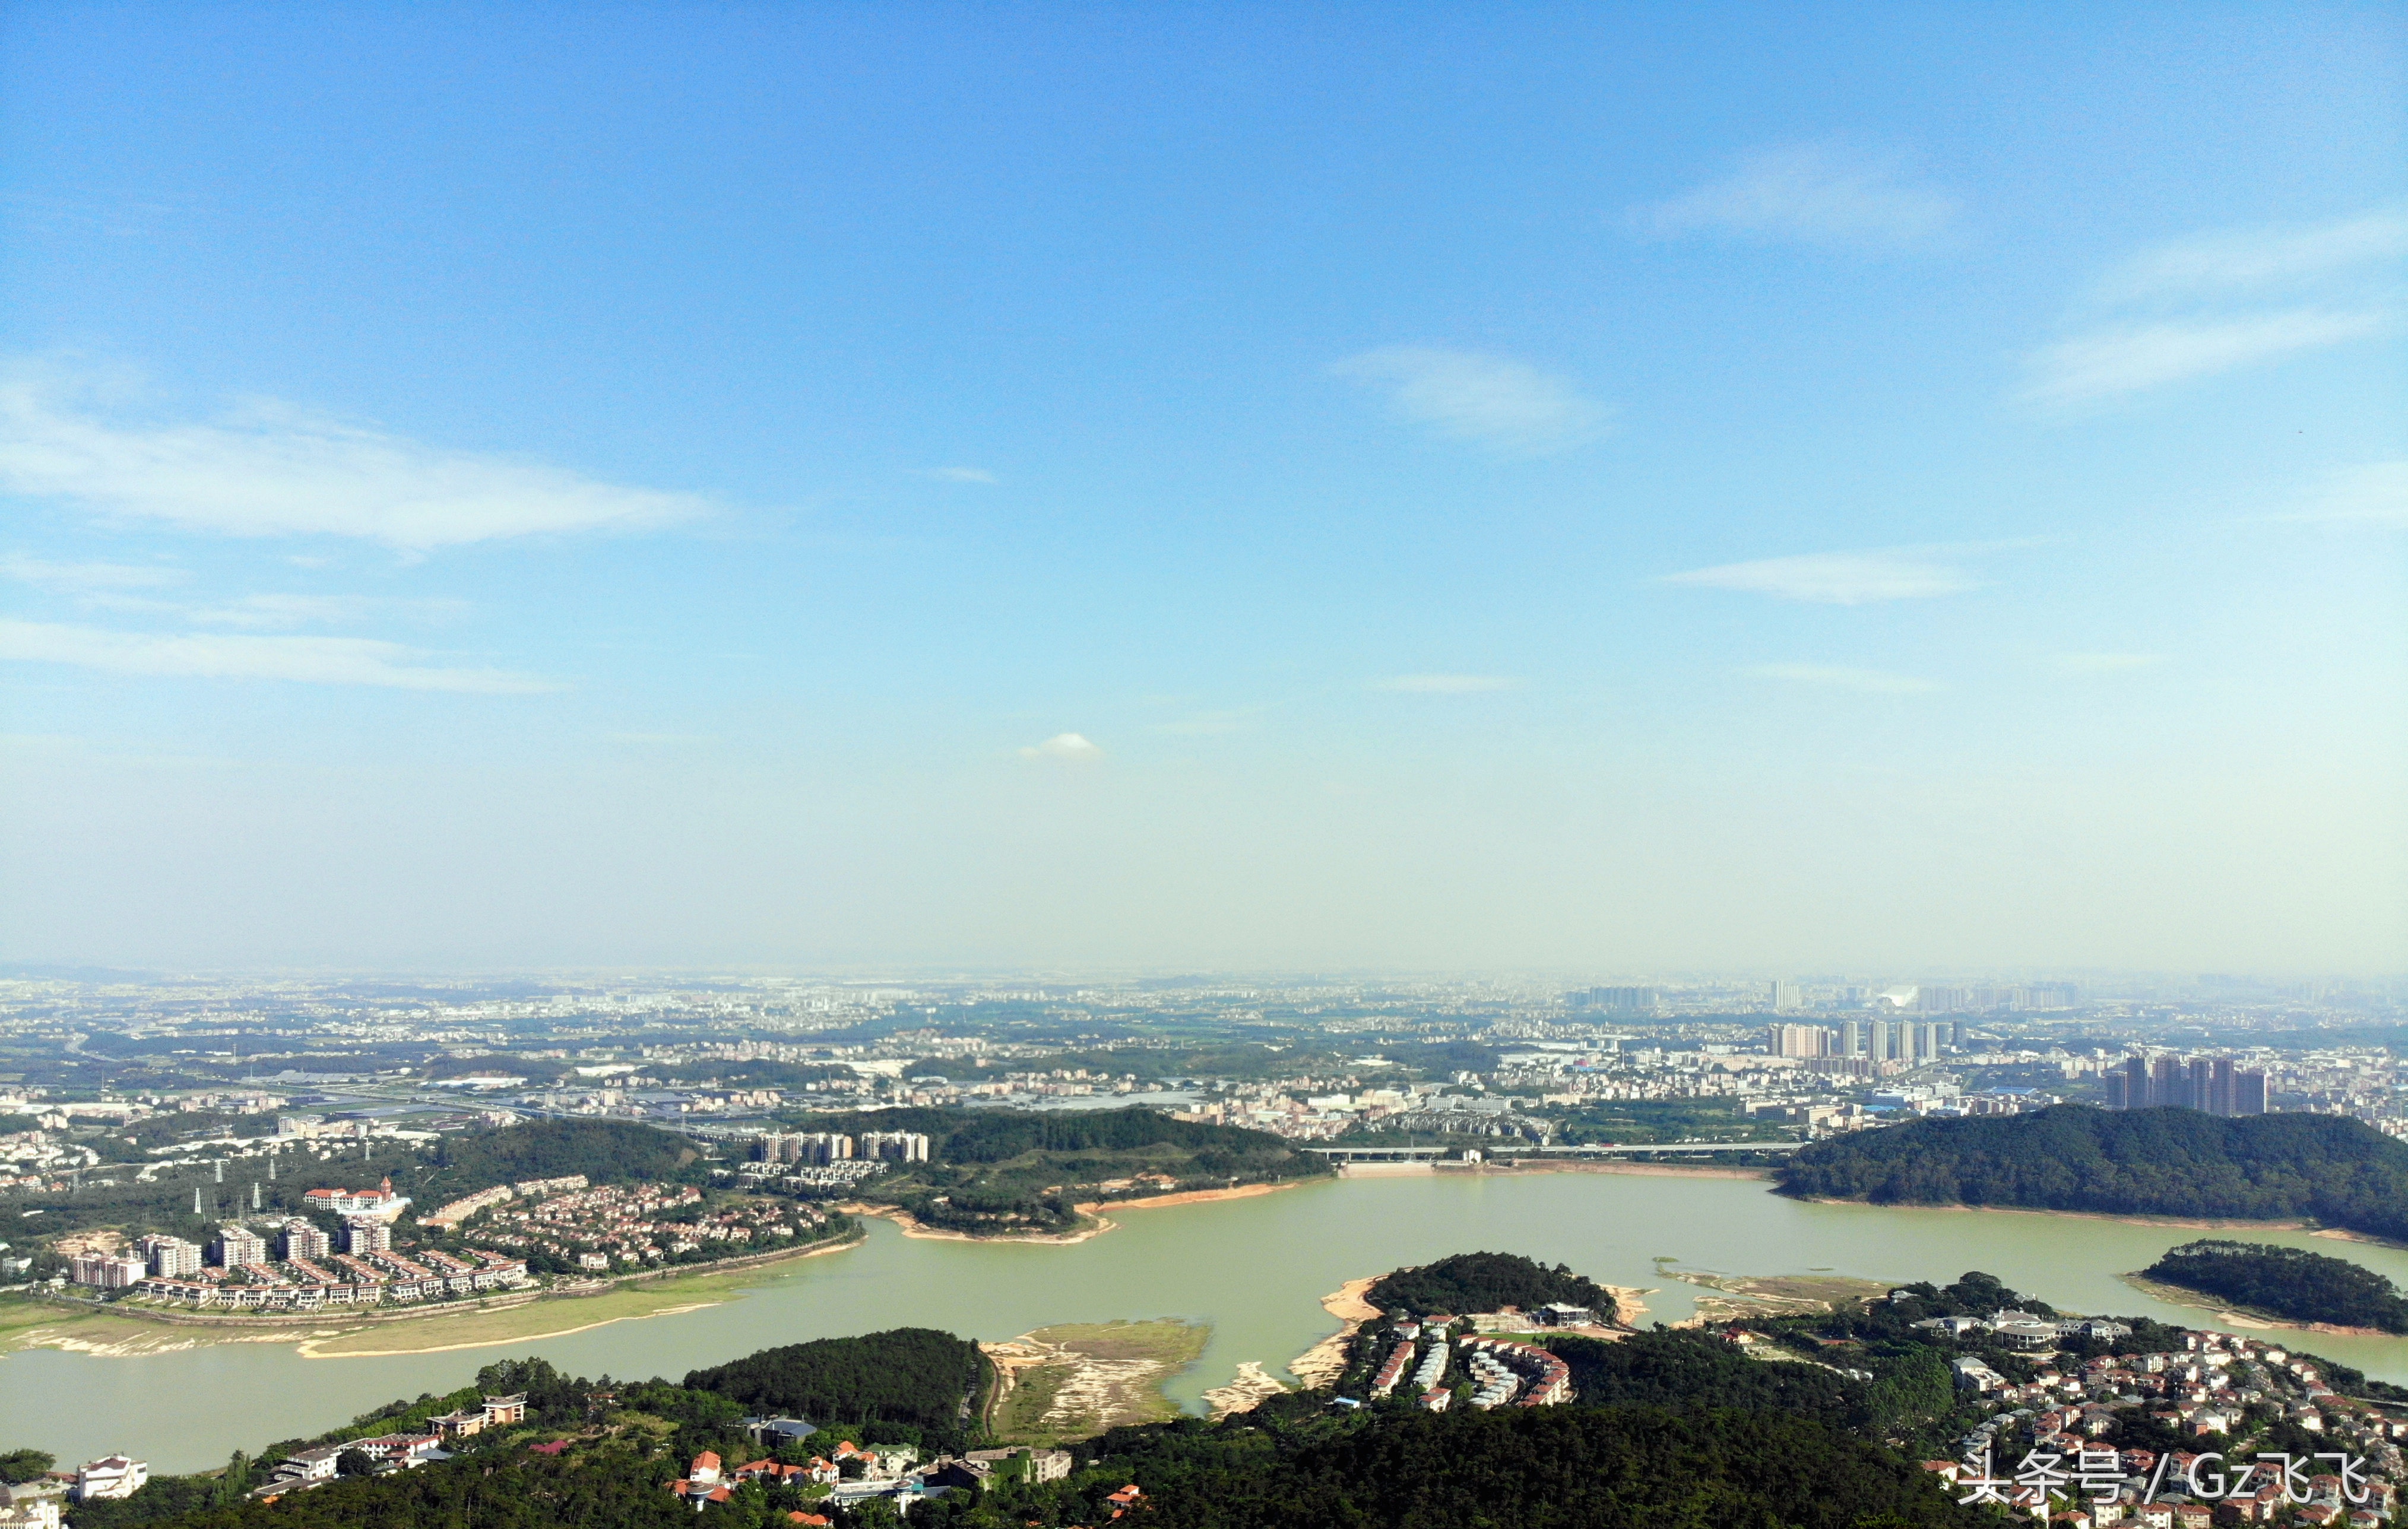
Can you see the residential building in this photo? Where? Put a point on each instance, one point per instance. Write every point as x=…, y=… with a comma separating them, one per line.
x=107, y=1271
x=305, y=1239
x=236, y=1245
x=110, y=1476
x=171, y=1258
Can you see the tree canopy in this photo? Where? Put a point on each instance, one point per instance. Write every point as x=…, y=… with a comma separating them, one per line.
x=1484, y=1282
x=914, y=1375
x=2146, y=1161
x=2287, y=1282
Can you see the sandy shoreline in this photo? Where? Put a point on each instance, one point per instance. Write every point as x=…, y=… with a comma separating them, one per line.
x=1189, y=1197
x=1322, y=1364
x=910, y=1226
x=2185, y=1224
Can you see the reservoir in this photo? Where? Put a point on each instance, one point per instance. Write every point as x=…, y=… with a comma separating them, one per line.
x=1254, y=1269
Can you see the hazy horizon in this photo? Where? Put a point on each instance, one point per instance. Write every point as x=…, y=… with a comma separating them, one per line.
x=1388, y=489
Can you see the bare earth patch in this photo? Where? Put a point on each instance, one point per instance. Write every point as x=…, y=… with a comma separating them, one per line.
x=1075, y=1379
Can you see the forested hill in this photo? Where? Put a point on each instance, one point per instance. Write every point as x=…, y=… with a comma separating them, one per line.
x=2141, y=1162
x=997, y=1135
x=1467, y=1282
x=913, y=1375
x=605, y=1151
x=2288, y=1283
x=1572, y=1467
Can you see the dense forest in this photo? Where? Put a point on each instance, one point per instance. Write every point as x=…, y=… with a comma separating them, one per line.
x=1568, y=1467
x=605, y=1151
x=913, y=1375
x=2144, y=1162
x=1467, y=1282
x=2286, y=1282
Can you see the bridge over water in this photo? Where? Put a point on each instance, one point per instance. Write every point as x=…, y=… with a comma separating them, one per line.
x=1435, y=1154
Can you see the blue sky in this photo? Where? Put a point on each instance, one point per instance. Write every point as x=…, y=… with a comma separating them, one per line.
x=1558, y=489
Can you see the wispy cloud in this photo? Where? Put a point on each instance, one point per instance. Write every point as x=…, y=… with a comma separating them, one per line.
x=2373, y=493
x=1817, y=193
x=2110, y=362
x=1870, y=681
x=272, y=470
x=1839, y=579
x=2239, y=259
x=266, y=611
x=1501, y=403
x=2106, y=662
x=957, y=475
x=79, y=577
x=1071, y=746
x=321, y=661
x=1449, y=684
x=2220, y=302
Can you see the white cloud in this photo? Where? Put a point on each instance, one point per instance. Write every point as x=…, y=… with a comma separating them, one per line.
x=1063, y=745
x=322, y=661
x=2257, y=257
x=1839, y=579
x=958, y=475
x=89, y=575
x=1817, y=193
x=274, y=471
x=2374, y=494
x=2106, y=662
x=1449, y=684
x=1871, y=682
x=275, y=611
x=2126, y=360
x=1496, y=402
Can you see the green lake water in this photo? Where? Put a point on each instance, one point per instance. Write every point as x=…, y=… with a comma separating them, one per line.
x=1254, y=1269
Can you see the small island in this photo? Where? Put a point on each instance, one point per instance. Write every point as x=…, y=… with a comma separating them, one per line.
x=1469, y=1282
x=2290, y=1283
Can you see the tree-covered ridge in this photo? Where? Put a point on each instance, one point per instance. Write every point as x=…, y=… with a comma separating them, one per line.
x=995, y=1135
x=1560, y=1467
x=999, y=1171
x=605, y=1151
x=2287, y=1282
x=1464, y=1282
x=913, y=1375
x=2141, y=1162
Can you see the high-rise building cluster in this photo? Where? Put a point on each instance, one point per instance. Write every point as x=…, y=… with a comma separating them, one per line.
x=825, y=1147
x=1616, y=1000
x=1875, y=1041
x=2213, y=1084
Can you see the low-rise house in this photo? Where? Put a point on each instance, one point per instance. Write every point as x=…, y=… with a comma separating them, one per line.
x=110, y=1476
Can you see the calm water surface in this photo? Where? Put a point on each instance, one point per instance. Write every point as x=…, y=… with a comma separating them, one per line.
x=1254, y=1269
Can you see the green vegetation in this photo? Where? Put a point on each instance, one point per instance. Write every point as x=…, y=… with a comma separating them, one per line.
x=605, y=1152
x=1466, y=1282
x=914, y=1375
x=2141, y=1162
x=1562, y=1467
x=24, y=1465
x=1627, y=1121
x=1690, y=1368
x=1011, y=1171
x=2288, y=1282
